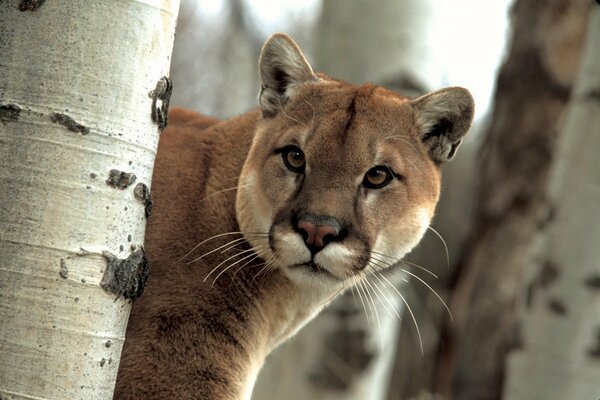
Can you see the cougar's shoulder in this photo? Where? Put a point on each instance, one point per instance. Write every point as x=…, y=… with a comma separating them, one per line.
x=197, y=156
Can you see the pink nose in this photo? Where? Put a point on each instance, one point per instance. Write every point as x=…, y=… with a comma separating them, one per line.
x=317, y=231
x=316, y=236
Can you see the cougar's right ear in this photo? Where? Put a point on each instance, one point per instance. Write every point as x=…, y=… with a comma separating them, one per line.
x=282, y=68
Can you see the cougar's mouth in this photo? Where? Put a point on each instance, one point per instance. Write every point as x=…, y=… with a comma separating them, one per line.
x=314, y=268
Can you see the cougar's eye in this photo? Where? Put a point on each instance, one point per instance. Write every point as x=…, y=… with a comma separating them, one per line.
x=293, y=158
x=378, y=177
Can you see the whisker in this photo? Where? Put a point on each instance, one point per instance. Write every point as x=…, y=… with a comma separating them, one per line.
x=412, y=164
x=403, y=261
x=236, y=241
x=361, y=286
x=217, y=236
x=206, y=240
x=264, y=268
x=352, y=278
x=288, y=116
x=403, y=138
x=357, y=286
x=224, y=261
x=381, y=263
x=412, y=264
x=312, y=121
x=381, y=291
x=409, y=310
x=432, y=291
x=224, y=190
x=271, y=264
x=335, y=294
x=389, y=270
x=445, y=246
x=255, y=254
x=237, y=244
x=366, y=281
x=373, y=285
x=423, y=282
x=257, y=265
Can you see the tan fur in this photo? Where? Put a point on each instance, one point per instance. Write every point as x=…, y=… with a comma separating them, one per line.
x=195, y=338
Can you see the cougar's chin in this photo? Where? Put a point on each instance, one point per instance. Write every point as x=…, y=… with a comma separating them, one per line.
x=328, y=268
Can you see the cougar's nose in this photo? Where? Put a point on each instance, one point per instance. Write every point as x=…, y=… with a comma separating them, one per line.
x=317, y=230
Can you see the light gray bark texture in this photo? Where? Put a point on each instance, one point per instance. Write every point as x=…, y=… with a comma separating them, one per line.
x=560, y=354
x=74, y=104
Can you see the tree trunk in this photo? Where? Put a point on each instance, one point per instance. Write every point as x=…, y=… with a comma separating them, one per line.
x=216, y=66
x=348, y=351
x=390, y=42
x=561, y=318
x=533, y=90
x=78, y=133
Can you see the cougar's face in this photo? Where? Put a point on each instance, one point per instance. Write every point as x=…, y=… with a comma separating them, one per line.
x=339, y=181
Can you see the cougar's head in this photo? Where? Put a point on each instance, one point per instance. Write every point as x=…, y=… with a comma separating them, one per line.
x=343, y=178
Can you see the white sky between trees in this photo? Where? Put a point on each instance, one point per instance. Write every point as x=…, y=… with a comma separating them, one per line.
x=468, y=38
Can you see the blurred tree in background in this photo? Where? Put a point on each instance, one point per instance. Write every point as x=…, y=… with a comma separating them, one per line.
x=512, y=208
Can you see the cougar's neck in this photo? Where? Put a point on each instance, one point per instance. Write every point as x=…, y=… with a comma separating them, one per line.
x=264, y=309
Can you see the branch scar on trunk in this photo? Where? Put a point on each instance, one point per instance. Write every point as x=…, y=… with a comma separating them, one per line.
x=70, y=123
x=161, y=92
x=126, y=276
x=9, y=113
x=142, y=193
x=119, y=179
x=30, y=5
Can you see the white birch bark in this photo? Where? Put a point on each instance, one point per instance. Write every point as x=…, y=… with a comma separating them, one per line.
x=74, y=104
x=560, y=353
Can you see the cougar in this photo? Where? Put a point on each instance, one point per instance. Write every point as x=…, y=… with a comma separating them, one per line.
x=263, y=219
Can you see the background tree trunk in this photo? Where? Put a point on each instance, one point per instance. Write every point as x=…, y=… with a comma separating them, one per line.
x=215, y=60
x=533, y=90
x=74, y=105
x=560, y=316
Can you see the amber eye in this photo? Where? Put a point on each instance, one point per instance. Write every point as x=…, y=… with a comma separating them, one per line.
x=293, y=158
x=378, y=177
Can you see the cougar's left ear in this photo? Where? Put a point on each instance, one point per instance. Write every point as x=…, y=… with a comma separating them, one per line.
x=443, y=118
x=282, y=69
